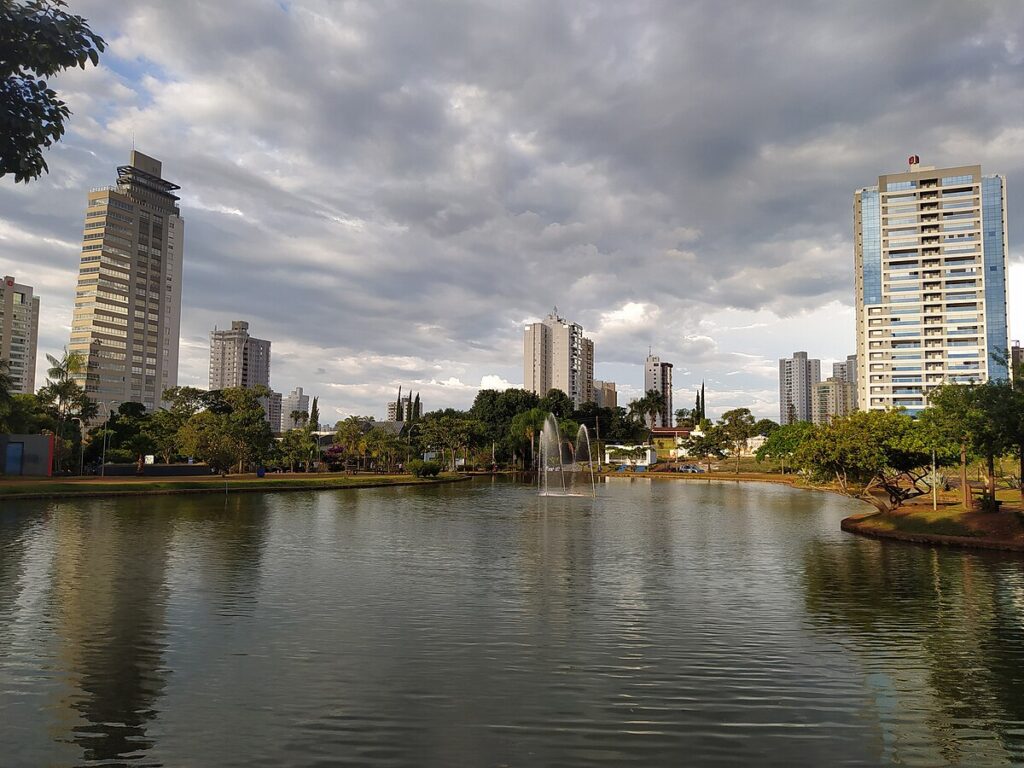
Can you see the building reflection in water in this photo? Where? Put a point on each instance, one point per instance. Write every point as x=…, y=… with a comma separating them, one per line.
x=109, y=599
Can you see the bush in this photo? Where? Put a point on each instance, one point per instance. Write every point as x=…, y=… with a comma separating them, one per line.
x=424, y=468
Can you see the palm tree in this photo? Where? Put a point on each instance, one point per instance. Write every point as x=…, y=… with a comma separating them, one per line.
x=63, y=389
x=349, y=434
x=298, y=417
x=648, y=407
x=527, y=425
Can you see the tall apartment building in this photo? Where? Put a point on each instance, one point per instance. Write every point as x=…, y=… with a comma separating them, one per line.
x=296, y=400
x=846, y=371
x=238, y=359
x=658, y=376
x=19, y=334
x=605, y=394
x=128, y=300
x=556, y=355
x=830, y=399
x=930, y=256
x=797, y=377
x=1016, y=359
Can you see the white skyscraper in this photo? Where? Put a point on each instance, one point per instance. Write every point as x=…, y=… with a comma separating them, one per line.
x=296, y=400
x=930, y=258
x=658, y=376
x=797, y=377
x=128, y=301
x=556, y=355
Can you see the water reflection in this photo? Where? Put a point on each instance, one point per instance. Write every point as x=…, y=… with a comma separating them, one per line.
x=663, y=623
x=939, y=635
x=109, y=621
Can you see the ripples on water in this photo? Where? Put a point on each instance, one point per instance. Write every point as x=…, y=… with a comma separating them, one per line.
x=666, y=623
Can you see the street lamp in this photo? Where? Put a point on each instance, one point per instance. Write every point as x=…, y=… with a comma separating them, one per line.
x=106, y=421
x=81, y=445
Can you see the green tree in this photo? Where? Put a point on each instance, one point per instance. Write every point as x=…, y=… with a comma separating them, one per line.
x=6, y=396
x=66, y=398
x=235, y=434
x=314, y=415
x=525, y=428
x=556, y=402
x=783, y=442
x=449, y=431
x=205, y=436
x=765, y=427
x=648, y=407
x=707, y=444
x=38, y=39
x=737, y=425
x=348, y=435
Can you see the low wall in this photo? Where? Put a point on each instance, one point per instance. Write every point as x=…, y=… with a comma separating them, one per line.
x=26, y=455
x=157, y=470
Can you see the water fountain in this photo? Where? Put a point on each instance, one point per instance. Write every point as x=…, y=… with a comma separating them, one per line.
x=566, y=468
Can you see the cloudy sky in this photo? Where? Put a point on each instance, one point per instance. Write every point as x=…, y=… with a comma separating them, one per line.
x=389, y=191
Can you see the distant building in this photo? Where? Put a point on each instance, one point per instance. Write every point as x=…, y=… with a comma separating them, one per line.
x=605, y=395
x=658, y=376
x=556, y=355
x=296, y=400
x=797, y=377
x=19, y=334
x=407, y=408
x=1016, y=360
x=272, y=409
x=238, y=359
x=128, y=298
x=847, y=371
x=930, y=252
x=830, y=399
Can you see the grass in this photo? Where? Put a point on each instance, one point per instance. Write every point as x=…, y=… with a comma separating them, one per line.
x=30, y=488
x=951, y=519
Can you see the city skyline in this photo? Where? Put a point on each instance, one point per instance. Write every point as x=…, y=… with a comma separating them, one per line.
x=366, y=281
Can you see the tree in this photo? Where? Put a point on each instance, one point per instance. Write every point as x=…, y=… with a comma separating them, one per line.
x=314, y=415
x=649, y=406
x=684, y=418
x=236, y=433
x=783, y=442
x=62, y=393
x=525, y=428
x=348, y=435
x=556, y=402
x=451, y=431
x=38, y=39
x=737, y=425
x=299, y=418
x=707, y=444
x=765, y=427
x=6, y=396
x=869, y=451
x=205, y=437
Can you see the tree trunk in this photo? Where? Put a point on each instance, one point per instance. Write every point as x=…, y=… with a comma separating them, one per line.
x=965, y=487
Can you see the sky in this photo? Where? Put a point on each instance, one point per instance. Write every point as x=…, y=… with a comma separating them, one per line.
x=389, y=191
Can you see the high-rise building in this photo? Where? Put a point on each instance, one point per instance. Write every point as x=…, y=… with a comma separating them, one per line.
x=930, y=257
x=605, y=395
x=846, y=371
x=238, y=359
x=830, y=399
x=797, y=377
x=294, y=401
x=272, y=409
x=1016, y=360
x=556, y=355
x=19, y=334
x=658, y=376
x=128, y=301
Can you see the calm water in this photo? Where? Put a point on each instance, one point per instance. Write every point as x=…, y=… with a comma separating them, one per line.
x=666, y=623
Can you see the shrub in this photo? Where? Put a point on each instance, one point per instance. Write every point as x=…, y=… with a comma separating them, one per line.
x=424, y=468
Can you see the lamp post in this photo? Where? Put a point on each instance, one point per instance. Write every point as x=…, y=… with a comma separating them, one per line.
x=81, y=445
x=103, y=456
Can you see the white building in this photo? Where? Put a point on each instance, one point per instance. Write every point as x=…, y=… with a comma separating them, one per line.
x=556, y=355
x=296, y=400
x=830, y=399
x=128, y=299
x=931, y=269
x=19, y=334
x=797, y=377
x=238, y=359
x=658, y=376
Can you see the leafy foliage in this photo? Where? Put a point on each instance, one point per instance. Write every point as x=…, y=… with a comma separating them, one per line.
x=38, y=39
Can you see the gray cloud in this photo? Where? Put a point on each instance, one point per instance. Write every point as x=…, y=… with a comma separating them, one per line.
x=404, y=184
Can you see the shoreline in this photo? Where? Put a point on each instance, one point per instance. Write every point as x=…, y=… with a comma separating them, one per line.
x=862, y=524
x=164, y=486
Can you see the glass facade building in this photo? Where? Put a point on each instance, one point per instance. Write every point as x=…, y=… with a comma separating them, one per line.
x=930, y=249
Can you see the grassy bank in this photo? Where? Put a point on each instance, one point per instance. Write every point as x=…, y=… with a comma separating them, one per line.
x=950, y=524
x=95, y=487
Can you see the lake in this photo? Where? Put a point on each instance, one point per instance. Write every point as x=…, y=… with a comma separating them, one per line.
x=664, y=623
